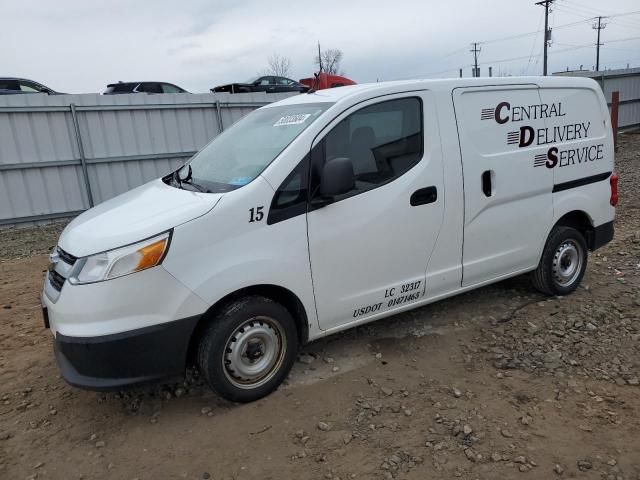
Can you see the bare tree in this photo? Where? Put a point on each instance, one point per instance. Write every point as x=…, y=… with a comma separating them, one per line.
x=278, y=65
x=329, y=61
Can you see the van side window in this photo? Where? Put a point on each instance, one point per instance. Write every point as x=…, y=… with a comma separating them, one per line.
x=290, y=200
x=383, y=141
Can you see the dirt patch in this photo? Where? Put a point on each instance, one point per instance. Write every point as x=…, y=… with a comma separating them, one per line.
x=501, y=382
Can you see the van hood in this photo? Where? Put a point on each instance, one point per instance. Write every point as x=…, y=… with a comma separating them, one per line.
x=143, y=212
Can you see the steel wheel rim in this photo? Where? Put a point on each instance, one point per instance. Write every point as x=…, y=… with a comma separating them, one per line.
x=254, y=352
x=567, y=263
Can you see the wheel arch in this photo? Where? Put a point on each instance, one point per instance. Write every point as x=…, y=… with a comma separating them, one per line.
x=581, y=221
x=278, y=294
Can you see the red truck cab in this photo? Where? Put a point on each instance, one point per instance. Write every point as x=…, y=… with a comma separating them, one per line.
x=322, y=80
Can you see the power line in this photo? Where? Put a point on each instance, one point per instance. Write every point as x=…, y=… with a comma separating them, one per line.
x=624, y=14
x=528, y=34
x=570, y=11
x=608, y=47
x=573, y=45
x=595, y=13
x=558, y=27
x=608, y=42
x=505, y=60
x=588, y=17
x=567, y=25
x=535, y=39
x=623, y=39
x=623, y=22
x=459, y=50
x=512, y=37
x=580, y=11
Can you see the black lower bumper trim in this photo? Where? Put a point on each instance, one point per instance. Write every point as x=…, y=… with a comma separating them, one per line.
x=602, y=235
x=111, y=362
x=45, y=317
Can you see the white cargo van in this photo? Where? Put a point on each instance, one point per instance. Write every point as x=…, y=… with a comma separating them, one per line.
x=328, y=210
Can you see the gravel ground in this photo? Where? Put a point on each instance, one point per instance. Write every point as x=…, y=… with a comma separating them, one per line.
x=27, y=242
x=600, y=337
x=501, y=383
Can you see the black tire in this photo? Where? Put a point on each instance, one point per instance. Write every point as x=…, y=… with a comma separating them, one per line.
x=563, y=262
x=244, y=332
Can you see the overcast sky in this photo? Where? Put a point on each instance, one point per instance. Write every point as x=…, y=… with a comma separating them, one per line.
x=81, y=45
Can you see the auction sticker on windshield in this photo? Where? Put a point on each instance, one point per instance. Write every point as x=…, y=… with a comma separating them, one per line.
x=292, y=119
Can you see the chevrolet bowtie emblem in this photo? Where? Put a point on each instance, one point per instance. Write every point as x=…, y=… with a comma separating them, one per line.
x=54, y=256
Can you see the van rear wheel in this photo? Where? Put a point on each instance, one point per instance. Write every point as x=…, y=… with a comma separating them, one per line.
x=563, y=262
x=248, y=349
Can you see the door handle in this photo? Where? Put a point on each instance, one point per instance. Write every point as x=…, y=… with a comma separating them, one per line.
x=487, y=183
x=424, y=196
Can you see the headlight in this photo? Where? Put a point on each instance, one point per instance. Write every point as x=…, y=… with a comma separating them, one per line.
x=121, y=261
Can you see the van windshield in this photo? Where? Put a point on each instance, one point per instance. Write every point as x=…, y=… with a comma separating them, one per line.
x=239, y=154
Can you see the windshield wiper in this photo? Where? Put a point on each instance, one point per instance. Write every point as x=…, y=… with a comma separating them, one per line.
x=198, y=187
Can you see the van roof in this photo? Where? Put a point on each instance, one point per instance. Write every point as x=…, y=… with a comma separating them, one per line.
x=334, y=95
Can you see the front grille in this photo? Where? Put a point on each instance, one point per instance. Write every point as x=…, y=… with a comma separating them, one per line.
x=66, y=257
x=56, y=280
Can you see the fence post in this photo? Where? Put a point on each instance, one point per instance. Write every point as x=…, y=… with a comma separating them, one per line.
x=615, y=102
x=219, y=115
x=83, y=159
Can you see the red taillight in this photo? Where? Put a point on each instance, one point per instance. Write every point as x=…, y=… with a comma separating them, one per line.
x=613, y=180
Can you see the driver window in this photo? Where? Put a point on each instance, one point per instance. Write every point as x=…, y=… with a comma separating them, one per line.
x=383, y=141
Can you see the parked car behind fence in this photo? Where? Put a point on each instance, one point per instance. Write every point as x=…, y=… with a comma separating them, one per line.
x=13, y=86
x=266, y=83
x=142, y=87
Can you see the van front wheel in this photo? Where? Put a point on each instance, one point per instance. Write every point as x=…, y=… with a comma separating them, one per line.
x=563, y=262
x=248, y=349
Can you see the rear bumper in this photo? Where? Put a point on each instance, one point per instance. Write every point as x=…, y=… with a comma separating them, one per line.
x=602, y=235
x=119, y=360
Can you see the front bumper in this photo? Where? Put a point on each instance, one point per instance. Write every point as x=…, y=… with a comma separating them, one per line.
x=119, y=360
x=124, y=331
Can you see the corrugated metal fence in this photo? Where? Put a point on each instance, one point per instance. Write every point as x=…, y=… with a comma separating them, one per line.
x=61, y=154
x=627, y=82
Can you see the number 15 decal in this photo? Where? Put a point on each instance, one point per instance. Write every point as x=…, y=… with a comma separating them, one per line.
x=256, y=214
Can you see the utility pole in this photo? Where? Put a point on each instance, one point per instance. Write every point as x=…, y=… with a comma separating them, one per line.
x=547, y=35
x=598, y=26
x=319, y=58
x=475, y=50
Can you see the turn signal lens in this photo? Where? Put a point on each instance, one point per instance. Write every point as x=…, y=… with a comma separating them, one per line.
x=138, y=257
x=151, y=254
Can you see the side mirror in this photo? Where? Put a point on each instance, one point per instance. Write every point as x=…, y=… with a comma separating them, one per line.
x=337, y=177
